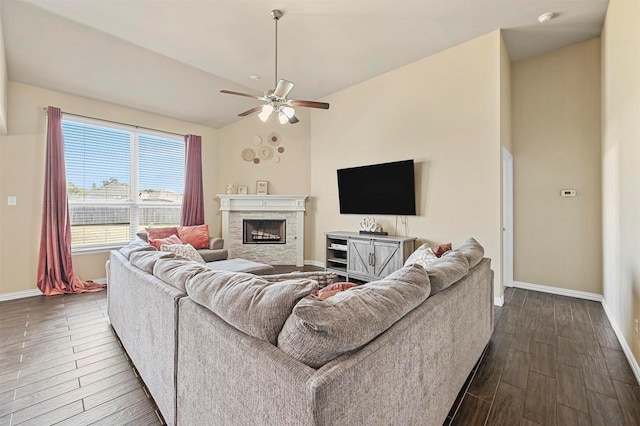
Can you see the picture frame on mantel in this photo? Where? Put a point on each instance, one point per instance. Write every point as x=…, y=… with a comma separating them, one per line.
x=243, y=190
x=262, y=187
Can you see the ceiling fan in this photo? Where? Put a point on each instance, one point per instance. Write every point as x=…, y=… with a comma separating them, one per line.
x=276, y=100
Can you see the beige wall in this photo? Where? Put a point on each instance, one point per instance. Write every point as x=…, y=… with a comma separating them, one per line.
x=22, y=174
x=620, y=165
x=288, y=176
x=3, y=84
x=443, y=112
x=556, y=145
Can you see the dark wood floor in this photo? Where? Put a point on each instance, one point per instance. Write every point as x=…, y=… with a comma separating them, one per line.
x=552, y=360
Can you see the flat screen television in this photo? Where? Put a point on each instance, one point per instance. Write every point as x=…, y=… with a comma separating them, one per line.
x=386, y=188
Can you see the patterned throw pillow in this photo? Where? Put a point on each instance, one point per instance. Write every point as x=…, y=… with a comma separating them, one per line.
x=183, y=250
x=423, y=256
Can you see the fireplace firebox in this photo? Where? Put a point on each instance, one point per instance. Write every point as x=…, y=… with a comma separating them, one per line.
x=264, y=231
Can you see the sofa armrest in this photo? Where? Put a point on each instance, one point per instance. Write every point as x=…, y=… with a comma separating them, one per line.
x=216, y=243
x=209, y=255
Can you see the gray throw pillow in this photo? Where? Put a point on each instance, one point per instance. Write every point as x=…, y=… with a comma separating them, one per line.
x=473, y=251
x=177, y=272
x=320, y=330
x=247, y=302
x=447, y=270
x=146, y=260
x=135, y=246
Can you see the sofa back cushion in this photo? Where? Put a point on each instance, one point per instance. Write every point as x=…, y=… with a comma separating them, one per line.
x=447, y=270
x=135, y=246
x=322, y=277
x=247, y=302
x=177, y=272
x=473, y=251
x=146, y=260
x=320, y=330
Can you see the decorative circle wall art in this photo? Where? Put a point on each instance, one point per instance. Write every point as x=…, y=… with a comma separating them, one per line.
x=256, y=161
x=257, y=140
x=276, y=159
x=280, y=149
x=274, y=139
x=248, y=154
x=265, y=152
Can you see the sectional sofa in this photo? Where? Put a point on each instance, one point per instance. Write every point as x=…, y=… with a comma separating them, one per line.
x=225, y=348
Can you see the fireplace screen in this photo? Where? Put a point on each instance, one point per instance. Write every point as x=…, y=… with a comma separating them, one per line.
x=264, y=231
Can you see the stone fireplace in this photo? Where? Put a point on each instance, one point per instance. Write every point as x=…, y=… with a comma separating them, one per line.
x=264, y=228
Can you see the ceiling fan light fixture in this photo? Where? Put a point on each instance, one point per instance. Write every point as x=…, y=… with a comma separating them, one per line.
x=266, y=112
x=288, y=111
x=283, y=118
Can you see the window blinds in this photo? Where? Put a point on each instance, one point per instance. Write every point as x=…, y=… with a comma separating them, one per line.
x=120, y=180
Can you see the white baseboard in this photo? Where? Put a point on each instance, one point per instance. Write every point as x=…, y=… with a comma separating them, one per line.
x=498, y=301
x=19, y=295
x=314, y=263
x=559, y=291
x=597, y=298
x=623, y=342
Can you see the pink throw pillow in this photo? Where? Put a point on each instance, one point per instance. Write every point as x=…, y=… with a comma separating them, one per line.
x=197, y=236
x=332, y=289
x=442, y=249
x=171, y=239
x=155, y=233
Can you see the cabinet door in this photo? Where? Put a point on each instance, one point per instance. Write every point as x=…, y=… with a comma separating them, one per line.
x=388, y=258
x=360, y=257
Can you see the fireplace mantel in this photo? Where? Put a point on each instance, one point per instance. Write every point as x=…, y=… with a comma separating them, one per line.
x=236, y=206
x=272, y=203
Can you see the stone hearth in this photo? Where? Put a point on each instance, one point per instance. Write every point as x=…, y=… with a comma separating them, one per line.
x=237, y=208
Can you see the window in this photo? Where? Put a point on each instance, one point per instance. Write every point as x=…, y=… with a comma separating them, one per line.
x=120, y=180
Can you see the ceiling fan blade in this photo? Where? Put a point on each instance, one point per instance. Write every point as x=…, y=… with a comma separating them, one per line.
x=293, y=120
x=283, y=88
x=309, y=104
x=250, y=111
x=246, y=95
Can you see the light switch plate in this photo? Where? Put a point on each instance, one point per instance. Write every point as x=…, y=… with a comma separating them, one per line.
x=12, y=200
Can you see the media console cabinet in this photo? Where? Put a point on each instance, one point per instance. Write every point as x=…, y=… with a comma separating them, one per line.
x=365, y=258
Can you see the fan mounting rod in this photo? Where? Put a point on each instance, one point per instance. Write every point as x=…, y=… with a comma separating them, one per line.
x=276, y=15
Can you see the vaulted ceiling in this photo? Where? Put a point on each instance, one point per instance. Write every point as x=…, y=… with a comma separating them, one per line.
x=172, y=57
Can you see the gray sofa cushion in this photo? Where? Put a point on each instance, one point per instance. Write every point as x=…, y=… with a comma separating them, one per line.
x=134, y=247
x=323, y=278
x=473, y=251
x=447, y=270
x=247, y=302
x=177, y=272
x=320, y=330
x=146, y=260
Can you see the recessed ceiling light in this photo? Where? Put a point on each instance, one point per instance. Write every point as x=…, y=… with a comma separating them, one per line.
x=545, y=17
x=255, y=77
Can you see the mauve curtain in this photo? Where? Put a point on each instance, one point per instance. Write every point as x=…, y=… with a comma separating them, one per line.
x=193, y=197
x=55, y=271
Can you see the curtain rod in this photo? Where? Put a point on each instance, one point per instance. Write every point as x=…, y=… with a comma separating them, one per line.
x=117, y=122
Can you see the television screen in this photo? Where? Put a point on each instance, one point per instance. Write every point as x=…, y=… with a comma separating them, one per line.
x=386, y=188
